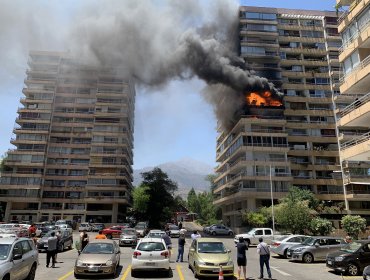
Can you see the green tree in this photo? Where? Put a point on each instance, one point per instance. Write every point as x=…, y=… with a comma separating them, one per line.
x=202, y=204
x=293, y=216
x=320, y=226
x=160, y=190
x=256, y=219
x=353, y=225
x=140, y=199
x=296, y=194
x=3, y=166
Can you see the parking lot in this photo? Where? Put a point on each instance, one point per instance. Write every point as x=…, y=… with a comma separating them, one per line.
x=281, y=268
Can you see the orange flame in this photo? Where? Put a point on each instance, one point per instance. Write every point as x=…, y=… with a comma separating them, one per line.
x=262, y=99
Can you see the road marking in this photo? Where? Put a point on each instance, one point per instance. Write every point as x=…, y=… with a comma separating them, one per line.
x=66, y=275
x=126, y=272
x=178, y=268
x=280, y=271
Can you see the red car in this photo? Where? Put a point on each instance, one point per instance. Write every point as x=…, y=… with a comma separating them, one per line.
x=113, y=231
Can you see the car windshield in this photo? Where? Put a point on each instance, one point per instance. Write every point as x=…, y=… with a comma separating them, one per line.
x=156, y=234
x=151, y=246
x=211, y=247
x=129, y=232
x=174, y=227
x=48, y=234
x=4, y=251
x=281, y=238
x=98, y=248
x=309, y=241
x=251, y=231
x=351, y=247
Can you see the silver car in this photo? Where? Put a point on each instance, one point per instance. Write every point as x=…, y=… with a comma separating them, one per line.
x=18, y=258
x=315, y=248
x=128, y=237
x=281, y=244
x=220, y=230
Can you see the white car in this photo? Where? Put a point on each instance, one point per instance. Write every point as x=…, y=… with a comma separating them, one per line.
x=155, y=233
x=66, y=227
x=254, y=234
x=85, y=226
x=150, y=255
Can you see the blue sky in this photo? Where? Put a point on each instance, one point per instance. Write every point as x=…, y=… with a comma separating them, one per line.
x=172, y=123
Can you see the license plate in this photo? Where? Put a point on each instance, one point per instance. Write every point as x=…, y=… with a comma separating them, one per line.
x=127, y=241
x=216, y=270
x=94, y=269
x=330, y=262
x=149, y=264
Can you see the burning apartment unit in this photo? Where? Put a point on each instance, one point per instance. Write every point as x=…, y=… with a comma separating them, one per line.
x=292, y=140
x=73, y=138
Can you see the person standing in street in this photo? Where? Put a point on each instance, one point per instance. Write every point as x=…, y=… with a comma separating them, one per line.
x=241, y=260
x=195, y=235
x=167, y=239
x=264, y=252
x=100, y=235
x=180, y=225
x=52, y=249
x=180, y=255
x=84, y=239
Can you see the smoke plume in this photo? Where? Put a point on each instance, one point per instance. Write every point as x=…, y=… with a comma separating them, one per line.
x=156, y=43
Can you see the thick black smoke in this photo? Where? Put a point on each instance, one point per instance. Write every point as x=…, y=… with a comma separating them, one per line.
x=156, y=43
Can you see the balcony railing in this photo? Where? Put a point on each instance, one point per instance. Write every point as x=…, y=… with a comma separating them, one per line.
x=356, y=141
x=356, y=104
x=353, y=37
x=360, y=66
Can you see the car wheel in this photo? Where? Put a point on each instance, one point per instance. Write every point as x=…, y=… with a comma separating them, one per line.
x=6, y=277
x=352, y=269
x=109, y=236
x=61, y=249
x=230, y=233
x=285, y=255
x=213, y=233
x=133, y=273
x=31, y=275
x=307, y=258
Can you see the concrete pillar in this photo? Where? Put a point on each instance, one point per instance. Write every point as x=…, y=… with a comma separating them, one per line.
x=114, y=212
x=7, y=211
x=251, y=204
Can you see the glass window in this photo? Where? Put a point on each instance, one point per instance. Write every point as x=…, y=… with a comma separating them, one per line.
x=17, y=250
x=260, y=16
x=26, y=246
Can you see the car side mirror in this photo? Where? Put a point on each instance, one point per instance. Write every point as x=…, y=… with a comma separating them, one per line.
x=17, y=257
x=192, y=250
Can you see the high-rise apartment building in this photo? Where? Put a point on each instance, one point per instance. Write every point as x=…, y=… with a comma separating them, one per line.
x=354, y=120
x=74, y=140
x=297, y=50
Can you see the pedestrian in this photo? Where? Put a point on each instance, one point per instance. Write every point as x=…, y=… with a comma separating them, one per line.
x=241, y=260
x=167, y=239
x=180, y=225
x=264, y=252
x=195, y=235
x=180, y=255
x=59, y=243
x=52, y=248
x=100, y=235
x=32, y=230
x=84, y=239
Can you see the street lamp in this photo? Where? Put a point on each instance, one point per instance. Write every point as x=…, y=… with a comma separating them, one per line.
x=272, y=202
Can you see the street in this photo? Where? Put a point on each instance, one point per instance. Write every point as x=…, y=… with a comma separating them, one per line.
x=281, y=269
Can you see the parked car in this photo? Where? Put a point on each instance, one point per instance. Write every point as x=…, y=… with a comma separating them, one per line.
x=174, y=231
x=351, y=258
x=156, y=233
x=66, y=227
x=206, y=229
x=68, y=222
x=99, y=257
x=220, y=230
x=112, y=232
x=315, y=248
x=85, y=226
x=128, y=237
x=66, y=241
x=281, y=244
x=18, y=258
x=150, y=254
x=206, y=255
x=46, y=229
x=252, y=237
x=97, y=226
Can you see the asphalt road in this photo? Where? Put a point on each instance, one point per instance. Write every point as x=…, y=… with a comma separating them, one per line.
x=282, y=269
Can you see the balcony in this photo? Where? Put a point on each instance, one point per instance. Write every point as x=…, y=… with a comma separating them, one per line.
x=357, y=149
x=358, y=80
x=355, y=8
x=357, y=113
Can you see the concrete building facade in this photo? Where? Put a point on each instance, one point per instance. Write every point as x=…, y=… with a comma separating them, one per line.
x=297, y=50
x=74, y=140
x=354, y=119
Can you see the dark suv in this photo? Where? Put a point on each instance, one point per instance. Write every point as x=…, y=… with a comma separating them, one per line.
x=351, y=258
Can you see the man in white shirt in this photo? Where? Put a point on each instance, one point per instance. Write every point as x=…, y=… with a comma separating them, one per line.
x=195, y=235
x=264, y=252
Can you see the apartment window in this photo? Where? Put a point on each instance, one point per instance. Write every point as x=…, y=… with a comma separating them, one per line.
x=262, y=27
x=293, y=44
x=363, y=19
x=259, y=16
x=297, y=68
x=350, y=33
x=351, y=62
x=322, y=81
x=312, y=34
x=253, y=50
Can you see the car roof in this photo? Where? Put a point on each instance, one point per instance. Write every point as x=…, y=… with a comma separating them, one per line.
x=151, y=239
x=102, y=241
x=128, y=228
x=327, y=237
x=208, y=239
x=11, y=240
